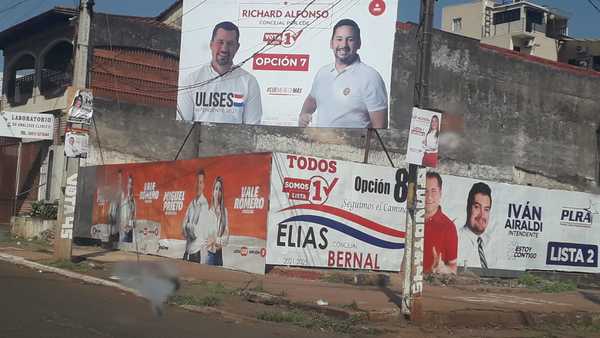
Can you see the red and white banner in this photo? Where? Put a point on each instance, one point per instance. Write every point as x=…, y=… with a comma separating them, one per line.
x=274, y=62
x=337, y=214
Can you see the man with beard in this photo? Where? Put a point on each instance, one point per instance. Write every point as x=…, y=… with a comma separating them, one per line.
x=221, y=91
x=346, y=93
x=475, y=236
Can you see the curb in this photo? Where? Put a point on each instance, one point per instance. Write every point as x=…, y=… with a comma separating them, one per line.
x=66, y=273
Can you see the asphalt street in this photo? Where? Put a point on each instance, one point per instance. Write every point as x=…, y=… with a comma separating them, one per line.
x=34, y=304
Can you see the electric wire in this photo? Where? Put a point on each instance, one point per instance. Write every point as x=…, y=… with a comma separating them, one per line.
x=595, y=5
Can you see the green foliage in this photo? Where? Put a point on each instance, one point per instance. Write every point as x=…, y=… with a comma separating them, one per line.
x=535, y=282
x=44, y=210
x=68, y=265
x=197, y=301
x=313, y=320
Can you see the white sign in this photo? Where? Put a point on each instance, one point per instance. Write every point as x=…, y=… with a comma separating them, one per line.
x=423, y=137
x=289, y=60
x=27, y=125
x=82, y=108
x=76, y=145
x=336, y=214
x=513, y=227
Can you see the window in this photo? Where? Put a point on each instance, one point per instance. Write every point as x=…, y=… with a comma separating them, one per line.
x=457, y=24
x=507, y=16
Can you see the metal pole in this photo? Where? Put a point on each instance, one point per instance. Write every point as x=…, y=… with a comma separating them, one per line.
x=413, y=261
x=66, y=207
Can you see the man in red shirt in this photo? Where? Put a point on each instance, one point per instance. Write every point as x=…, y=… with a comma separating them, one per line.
x=441, y=239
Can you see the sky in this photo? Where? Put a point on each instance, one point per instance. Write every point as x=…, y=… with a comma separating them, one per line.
x=583, y=17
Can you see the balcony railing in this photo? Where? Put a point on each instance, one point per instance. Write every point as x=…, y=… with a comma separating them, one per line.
x=23, y=89
x=54, y=82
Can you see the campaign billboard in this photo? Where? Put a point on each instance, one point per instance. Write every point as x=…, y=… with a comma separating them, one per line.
x=287, y=63
x=336, y=214
x=489, y=225
x=423, y=137
x=82, y=108
x=76, y=144
x=207, y=210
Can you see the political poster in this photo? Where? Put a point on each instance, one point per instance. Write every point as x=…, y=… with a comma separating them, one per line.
x=208, y=210
x=27, y=125
x=82, y=108
x=509, y=227
x=336, y=214
x=287, y=63
x=423, y=137
x=76, y=145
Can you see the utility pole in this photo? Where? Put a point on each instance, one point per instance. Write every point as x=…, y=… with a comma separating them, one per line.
x=66, y=207
x=413, y=255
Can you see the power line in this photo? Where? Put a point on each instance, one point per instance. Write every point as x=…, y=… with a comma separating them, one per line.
x=596, y=6
x=12, y=6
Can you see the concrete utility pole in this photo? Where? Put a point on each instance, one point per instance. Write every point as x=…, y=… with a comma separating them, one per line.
x=66, y=206
x=415, y=230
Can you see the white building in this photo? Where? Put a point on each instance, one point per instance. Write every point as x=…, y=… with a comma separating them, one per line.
x=517, y=25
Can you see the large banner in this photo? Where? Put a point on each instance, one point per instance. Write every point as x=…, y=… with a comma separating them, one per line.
x=290, y=63
x=208, y=210
x=337, y=214
x=491, y=225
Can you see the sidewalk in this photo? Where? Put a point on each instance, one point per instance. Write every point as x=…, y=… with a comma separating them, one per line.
x=460, y=306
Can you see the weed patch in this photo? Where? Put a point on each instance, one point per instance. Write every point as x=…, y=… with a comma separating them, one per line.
x=312, y=320
x=193, y=300
x=68, y=265
x=537, y=283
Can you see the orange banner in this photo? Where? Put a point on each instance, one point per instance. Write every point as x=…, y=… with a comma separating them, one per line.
x=158, y=200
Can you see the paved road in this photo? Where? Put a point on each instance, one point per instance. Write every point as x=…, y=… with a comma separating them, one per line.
x=34, y=304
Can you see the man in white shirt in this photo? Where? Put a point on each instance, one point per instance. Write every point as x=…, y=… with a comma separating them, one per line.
x=220, y=91
x=346, y=93
x=475, y=245
x=198, y=225
x=71, y=149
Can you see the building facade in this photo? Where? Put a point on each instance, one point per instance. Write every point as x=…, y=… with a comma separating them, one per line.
x=132, y=72
x=517, y=25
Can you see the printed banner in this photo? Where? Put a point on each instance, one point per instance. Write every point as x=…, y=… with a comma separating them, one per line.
x=336, y=214
x=207, y=210
x=423, y=137
x=82, y=109
x=288, y=63
x=491, y=225
x=76, y=145
x=27, y=125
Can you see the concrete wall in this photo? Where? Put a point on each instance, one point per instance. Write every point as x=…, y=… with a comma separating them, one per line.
x=136, y=133
x=513, y=118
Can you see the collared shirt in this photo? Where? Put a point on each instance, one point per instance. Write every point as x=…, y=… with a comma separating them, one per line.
x=198, y=225
x=345, y=99
x=440, y=232
x=207, y=96
x=468, y=248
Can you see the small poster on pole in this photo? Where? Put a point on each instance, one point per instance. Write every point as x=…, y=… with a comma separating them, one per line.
x=81, y=110
x=76, y=145
x=423, y=137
